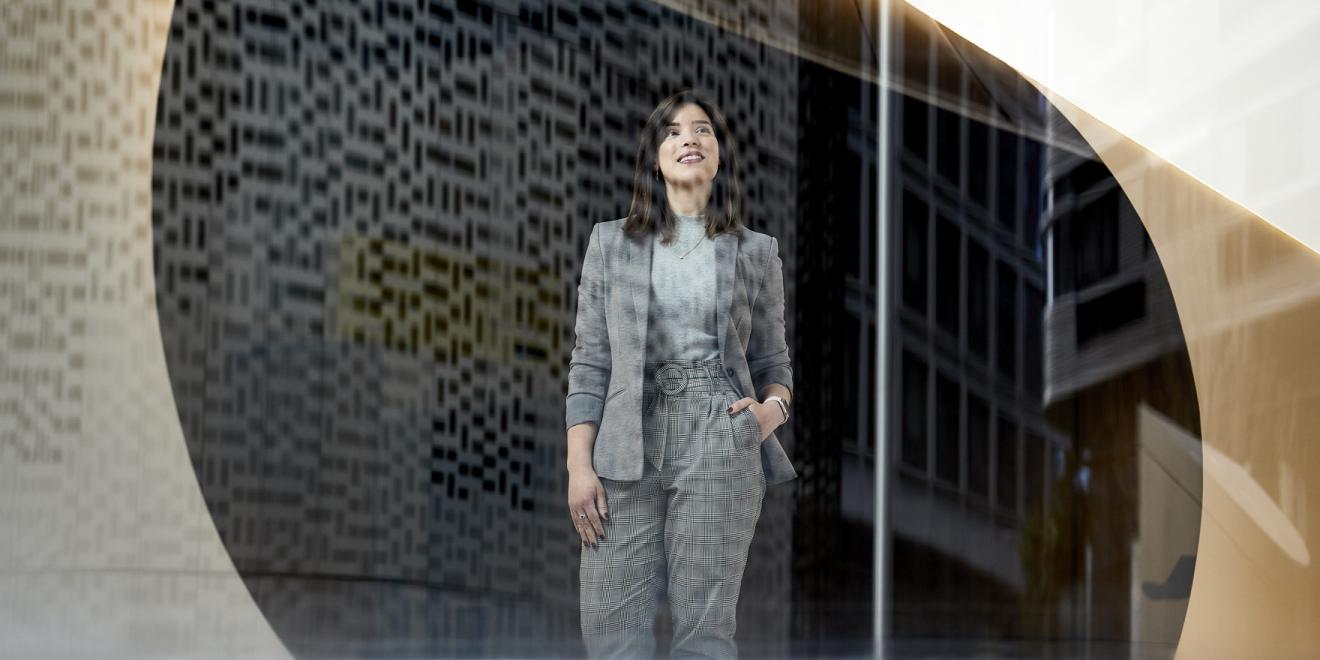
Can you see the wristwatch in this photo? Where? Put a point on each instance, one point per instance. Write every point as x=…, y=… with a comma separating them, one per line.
x=783, y=407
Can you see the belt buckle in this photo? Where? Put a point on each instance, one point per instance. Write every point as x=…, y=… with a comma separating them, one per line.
x=671, y=378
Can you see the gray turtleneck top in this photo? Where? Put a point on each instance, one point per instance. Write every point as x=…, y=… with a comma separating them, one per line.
x=681, y=323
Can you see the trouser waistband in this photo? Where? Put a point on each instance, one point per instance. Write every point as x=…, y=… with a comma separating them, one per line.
x=676, y=377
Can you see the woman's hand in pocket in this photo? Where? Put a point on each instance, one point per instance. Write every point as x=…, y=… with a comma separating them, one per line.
x=587, y=506
x=767, y=417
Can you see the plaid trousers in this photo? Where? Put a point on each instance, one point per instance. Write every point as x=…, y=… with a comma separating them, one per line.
x=684, y=528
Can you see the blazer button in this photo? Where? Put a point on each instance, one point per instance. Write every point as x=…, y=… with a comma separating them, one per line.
x=730, y=371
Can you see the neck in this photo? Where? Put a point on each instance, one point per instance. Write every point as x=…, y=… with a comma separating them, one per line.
x=688, y=200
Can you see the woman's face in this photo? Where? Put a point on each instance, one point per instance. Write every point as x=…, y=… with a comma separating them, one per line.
x=689, y=154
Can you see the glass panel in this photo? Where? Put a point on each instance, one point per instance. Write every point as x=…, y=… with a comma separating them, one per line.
x=1006, y=321
x=978, y=299
x=1033, y=471
x=948, y=146
x=978, y=167
x=947, y=418
x=1007, y=470
x=915, y=120
x=1008, y=178
x=948, y=275
x=978, y=446
x=915, y=260
x=1033, y=313
x=914, y=412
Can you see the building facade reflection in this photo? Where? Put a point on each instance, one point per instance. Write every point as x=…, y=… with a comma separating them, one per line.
x=1115, y=354
x=1036, y=340
x=972, y=449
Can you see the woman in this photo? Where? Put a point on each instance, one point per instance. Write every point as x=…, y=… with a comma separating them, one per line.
x=678, y=378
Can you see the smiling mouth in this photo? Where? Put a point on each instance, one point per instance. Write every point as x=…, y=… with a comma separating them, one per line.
x=690, y=160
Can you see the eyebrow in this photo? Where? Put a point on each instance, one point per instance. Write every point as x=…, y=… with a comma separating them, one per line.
x=698, y=121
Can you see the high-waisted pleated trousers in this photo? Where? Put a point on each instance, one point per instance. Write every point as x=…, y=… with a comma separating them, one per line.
x=684, y=528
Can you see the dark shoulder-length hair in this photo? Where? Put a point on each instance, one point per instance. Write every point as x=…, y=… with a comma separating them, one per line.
x=649, y=212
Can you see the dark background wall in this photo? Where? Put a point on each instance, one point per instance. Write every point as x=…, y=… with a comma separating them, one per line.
x=368, y=220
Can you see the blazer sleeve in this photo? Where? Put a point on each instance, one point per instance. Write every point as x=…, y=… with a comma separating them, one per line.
x=767, y=351
x=589, y=367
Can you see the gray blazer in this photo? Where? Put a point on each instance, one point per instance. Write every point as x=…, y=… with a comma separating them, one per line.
x=606, y=370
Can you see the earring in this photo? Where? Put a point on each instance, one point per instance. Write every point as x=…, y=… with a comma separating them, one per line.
x=657, y=173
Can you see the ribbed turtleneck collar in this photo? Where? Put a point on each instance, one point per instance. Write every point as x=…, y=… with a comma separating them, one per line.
x=689, y=226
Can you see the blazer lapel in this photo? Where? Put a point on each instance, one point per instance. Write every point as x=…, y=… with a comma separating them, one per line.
x=726, y=258
x=639, y=281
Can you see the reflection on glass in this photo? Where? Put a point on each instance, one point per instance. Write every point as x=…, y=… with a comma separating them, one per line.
x=366, y=219
x=1033, y=328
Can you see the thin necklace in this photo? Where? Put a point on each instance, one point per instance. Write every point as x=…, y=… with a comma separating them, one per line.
x=694, y=245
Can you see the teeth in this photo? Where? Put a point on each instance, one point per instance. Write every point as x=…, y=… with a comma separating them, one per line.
x=690, y=159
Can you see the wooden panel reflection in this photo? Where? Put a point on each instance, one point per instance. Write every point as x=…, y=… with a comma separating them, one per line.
x=1247, y=296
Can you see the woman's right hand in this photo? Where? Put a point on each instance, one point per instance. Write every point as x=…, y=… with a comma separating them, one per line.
x=587, y=506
